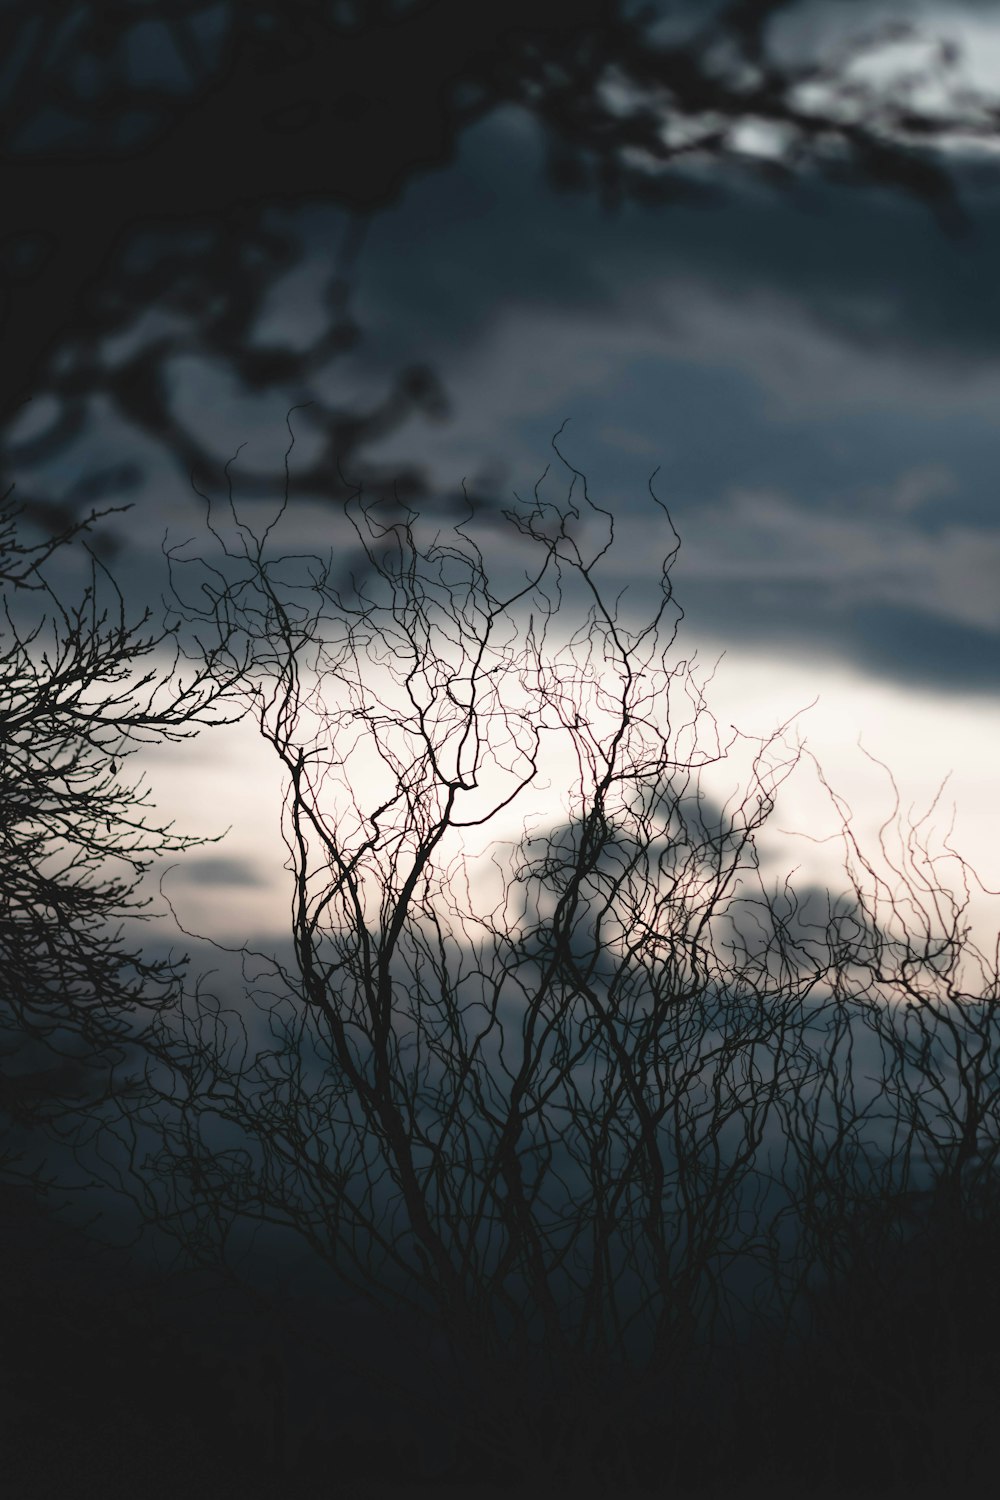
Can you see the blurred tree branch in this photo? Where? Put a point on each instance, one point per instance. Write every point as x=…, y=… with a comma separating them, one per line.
x=149, y=154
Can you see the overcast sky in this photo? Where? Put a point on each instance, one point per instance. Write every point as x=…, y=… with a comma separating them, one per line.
x=816, y=378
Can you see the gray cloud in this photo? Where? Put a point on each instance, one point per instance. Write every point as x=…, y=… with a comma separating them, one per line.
x=216, y=870
x=830, y=349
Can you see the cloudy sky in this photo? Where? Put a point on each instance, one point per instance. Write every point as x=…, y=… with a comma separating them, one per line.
x=814, y=376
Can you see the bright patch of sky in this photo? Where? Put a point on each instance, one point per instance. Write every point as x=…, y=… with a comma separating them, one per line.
x=237, y=890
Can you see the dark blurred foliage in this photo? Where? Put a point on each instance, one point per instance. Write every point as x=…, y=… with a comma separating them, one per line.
x=99, y=1397
x=903, y=1353
x=116, y=1382
x=155, y=154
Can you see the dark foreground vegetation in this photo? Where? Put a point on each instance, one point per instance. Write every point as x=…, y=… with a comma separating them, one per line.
x=113, y=1389
x=640, y=1172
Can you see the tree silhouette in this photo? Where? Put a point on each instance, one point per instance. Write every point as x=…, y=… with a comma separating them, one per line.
x=602, y=1127
x=81, y=689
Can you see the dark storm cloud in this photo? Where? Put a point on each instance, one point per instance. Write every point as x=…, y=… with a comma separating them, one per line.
x=895, y=642
x=918, y=647
x=215, y=870
x=870, y=267
x=828, y=346
x=833, y=348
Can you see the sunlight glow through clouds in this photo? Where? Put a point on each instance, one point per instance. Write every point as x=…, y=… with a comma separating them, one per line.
x=231, y=777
